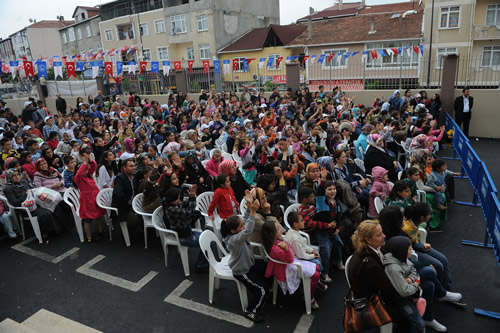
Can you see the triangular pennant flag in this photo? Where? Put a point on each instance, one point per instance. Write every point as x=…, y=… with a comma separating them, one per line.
x=217, y=66
x=13, y=68
x=206, y=66
x=28, y=68
x=190, y=65
x=80, y=66
x=177, y=65
x=421, y=47
x=339, y=57
x=330, y=57
x=58, y=69
x=250, y=60
x=235, y=64
x=261, y=62
x=245, y=65
x=382, y=53
x=347, y=54
x=119, y=68
x=389, y=51
x=313, y=57
x=270, y=61
x=108, y=66
x=155, y=67
x=305, y=59
x=408, y=51
x=395, y=50
x=400, y=50
x=374, y=54
x=415, y=49
x=226, y=64
x=42, y=69
x=131, y=67
x=278, y=61
x=288, y=59
x=354, y=53
x=321, y=58
x=70, y=68
x=166, y=68
x=142, y=66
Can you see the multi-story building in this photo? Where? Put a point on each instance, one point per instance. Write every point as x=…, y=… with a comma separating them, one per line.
x=469, y=28
x=83, y=36
x=41, y=39
x=6, y=50
x=181, y=29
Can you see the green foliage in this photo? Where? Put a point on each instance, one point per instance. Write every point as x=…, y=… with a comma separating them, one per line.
x=195, y=85
x=269, y=86
x=372, y=85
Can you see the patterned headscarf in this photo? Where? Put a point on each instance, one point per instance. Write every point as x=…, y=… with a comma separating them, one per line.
x=419, y=141
x=8, y=175
x=307, y=145
x=50, y=170
x=8, y=161
x=128, y=144
x=226, y=168
x=309, y=167
x=326, y=162
x=172, y=146
x=373, y=140
x=419, y=157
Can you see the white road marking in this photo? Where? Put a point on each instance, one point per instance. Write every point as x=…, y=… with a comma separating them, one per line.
x=114, y=280
x=176, y=299
x=304, y=324
x=40, y=255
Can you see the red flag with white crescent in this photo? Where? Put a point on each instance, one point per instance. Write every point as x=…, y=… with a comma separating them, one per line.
x=374, y=54
x=142, y=66
x=206, y=65
x=28, y=68
x=278, y=61
x=108, y=67
x=190, y=65
x=70, y=68
x=249, y=60
x=235, y=64
x=177, y=65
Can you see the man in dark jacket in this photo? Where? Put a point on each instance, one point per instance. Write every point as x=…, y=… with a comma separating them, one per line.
x=61, y=104
x=463, y=109
x=27, y=113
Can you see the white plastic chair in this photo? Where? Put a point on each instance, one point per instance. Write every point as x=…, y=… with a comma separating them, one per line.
x=33, y=220
x=422, y=234
x=204, y=163
x=170, y=237
x=104, y=199
x=379, y=205
x=72, y=199
x=12, y=215
x=219, y=270
x=243, y=206
x=391, y=184
x=306, y=282
x=227, y=156
x=421, y=196
x=294, y=208
x=237, y=159
x=360, y=164
x=146, y=217
x=224, y=148
x=400, y=173
x=202, y=203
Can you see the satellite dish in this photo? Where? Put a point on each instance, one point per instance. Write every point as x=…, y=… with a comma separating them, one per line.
x=31, y=20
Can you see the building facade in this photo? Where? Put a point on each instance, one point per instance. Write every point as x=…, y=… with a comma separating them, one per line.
x=82, y=37
x=6, y=50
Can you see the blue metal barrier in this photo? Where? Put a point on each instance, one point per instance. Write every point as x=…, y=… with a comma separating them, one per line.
x=471, y=167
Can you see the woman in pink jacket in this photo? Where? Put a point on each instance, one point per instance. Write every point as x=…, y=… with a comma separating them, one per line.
x=380, y=188
x=213, y=164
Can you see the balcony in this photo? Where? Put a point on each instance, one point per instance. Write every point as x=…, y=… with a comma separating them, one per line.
x=125, y=32
x=485, y=33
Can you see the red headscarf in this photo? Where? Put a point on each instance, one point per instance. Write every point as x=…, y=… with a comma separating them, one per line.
x=226, y=168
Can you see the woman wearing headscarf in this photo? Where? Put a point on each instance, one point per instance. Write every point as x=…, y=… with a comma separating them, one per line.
x=263, y=214
x=377, y=156
x=196, y=173
x=238, y=183
x=396, y=101
x=327, y=163
x=16, y=193
x=309, y=152
x=54, y=160
x=421, y=141
x=171, y=146
x=129, y=152
x=46, y=176
x=312, y=177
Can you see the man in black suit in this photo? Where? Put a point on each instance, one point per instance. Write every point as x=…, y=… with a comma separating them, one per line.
x=463, y=109
x=124, y=192
x=61, y=104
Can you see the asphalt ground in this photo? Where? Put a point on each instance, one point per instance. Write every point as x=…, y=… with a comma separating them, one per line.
x=170, y=302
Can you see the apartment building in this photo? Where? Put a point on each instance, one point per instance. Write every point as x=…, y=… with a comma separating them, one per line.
x=6, y=50
x=83, y=36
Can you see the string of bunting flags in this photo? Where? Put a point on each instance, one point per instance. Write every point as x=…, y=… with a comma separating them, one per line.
x=79, y=62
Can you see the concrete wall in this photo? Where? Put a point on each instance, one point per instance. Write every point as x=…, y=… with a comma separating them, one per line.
x=485, y=122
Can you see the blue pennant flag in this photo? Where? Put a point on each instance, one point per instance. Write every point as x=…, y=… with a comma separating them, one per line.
x=400, y=50
x=270, y=62
x=155, y=67
x=80, y=66
x=347, y=54
x=382, y=53
x=14, y=63
x=354, y=53
x=217, y=66
x=321, y=59
x=288, y=59
x=42, y=69
x=421, y=47
x=119, y=67
x=245, y=65
x=262, y=59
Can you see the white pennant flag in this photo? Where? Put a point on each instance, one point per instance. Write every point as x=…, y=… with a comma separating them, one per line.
x=131, y=67
x=339, y=58
x=166, y=68
x=313, y=57
x=58, y=71
x=13, y=70
x=408, y=51
x=389, y=51
x=364, y=57
x=261, y=63
x=226, y=68
x=95, y=71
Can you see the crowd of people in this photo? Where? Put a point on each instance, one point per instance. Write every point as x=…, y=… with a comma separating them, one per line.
x=321, y=150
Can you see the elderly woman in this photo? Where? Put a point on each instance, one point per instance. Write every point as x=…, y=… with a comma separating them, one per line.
x=421, y=141
x=309, y=151
x=377, y=156
x=16, y=192
x=312, y=177
x=46, y=176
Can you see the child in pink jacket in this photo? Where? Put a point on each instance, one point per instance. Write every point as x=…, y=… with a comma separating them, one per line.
x=213, y=164
x=380, y=188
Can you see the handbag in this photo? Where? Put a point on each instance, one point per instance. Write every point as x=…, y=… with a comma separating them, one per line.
x=364, y=313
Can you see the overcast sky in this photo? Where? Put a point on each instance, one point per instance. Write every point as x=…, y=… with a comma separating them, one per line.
x=15, y=15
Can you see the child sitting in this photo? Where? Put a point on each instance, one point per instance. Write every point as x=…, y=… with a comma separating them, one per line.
x=412, y=176
x=287, y=275
x=224, y=198
x=69, y=170
x=380, y=189
x=405, y=280
x=400, y=195
x=149, y=187
x=436, y=180
x=245, y=268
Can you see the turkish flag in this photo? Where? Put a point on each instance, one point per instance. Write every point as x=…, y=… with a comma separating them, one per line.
x=142, y=66
x=28, y=68
x=108, y=66
x=278, y=61
x=415, y=48
x=374, y=54
x=249, y=60
x=177, y=65
x=330, y=57
x=70, y=67
x=395, y=50
x=235, y=64
x=190, y=65
x=206, y=65
x=305, y=59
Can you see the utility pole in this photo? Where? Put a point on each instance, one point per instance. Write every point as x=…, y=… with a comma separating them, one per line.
x=430, y=48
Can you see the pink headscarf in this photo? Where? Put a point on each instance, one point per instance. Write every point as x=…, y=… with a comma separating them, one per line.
x=226, y=168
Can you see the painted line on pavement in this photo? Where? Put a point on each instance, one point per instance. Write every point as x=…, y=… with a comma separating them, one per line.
x=40, y=255
x=176, y=299
x=304, y=323
x=114, y=280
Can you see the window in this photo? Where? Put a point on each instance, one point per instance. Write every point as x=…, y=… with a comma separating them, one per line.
x=441, y=52
x=71, y=34
x=64, y=38
x=190, y=53
x=79, y=33
x=241, y=66
x=178, y=24
x=146, y=54
x=449, y=17
x=204, y=51
x=143, y=29
x=334, y=63
x=89, y=32
x=393, y=60
x=202, y=22
x=491, y=56
x=163, y=53
x=273, y=65
x=493, y=15
x=109, y=34
x=160, y=26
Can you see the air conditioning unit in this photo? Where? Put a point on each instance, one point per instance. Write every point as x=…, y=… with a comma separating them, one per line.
x=255, y=77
